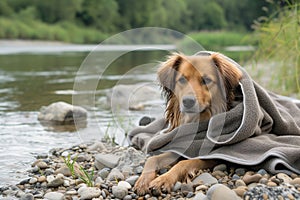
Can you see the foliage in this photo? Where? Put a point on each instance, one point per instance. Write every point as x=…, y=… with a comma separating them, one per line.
x=112, y=16
x=279, y=50
x=219, y=40
x=86, y=177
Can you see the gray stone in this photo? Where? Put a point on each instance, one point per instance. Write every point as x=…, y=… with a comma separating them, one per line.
x=240, y=171
x=119, y=191
x=54, y=196
x=97, y=146
x=132, y=179
x=103, y=173
x=106, y=160
x=220, y=191
x=176, y=187
x=127, y=197
x=200, y=196
x=221, y=167
x=27, y=197
x=89, y=192
x=205, y=178
x=33, y=180
x=42, y=165
x=83, y=157
x=62, y=112
x=124, y=184
x=56, y=182
x=115, y=174
x=63, y=170
x=262, y=172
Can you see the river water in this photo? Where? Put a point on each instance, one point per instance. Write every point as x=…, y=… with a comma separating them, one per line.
x=34, y=77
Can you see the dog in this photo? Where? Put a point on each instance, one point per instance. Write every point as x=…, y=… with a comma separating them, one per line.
x=196, y=88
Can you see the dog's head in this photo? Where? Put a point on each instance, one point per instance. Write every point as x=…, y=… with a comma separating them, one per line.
x=200, y=84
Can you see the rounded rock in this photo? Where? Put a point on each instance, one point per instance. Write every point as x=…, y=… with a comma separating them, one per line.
x=240, y=191
x=125, y=184
x=119, y=191
x=295, y=181
x=251, y=178
x=115, y=174
x=54, y=196
x=33, y=180
x=42, y=165
x=220, y=191
x=221, y=167
x=89, y=192
x=284, y=177
x=239, y=183
x=132, y=179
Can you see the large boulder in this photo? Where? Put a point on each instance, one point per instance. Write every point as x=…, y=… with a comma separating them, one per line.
x=62, y=113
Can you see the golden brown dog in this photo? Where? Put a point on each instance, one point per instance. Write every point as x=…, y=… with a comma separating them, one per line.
x=196, y=88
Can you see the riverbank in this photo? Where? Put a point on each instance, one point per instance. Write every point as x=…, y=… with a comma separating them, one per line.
x=103, y=171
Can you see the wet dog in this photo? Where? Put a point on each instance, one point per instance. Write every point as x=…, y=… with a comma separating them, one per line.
x=196, y=88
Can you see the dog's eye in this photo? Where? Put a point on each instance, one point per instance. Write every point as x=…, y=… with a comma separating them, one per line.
x=205, y=80
x=182, y=80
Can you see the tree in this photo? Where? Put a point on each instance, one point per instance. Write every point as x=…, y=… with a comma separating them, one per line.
x=102, y=14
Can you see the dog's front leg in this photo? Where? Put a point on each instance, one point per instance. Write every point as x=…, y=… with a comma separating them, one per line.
x=152, y=165
x=180, y=172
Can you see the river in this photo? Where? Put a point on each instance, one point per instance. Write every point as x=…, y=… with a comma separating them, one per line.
x=32, y=76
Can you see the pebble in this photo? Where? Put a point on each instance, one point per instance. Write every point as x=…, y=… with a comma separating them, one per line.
x=115, y=175
x=186, y=188
x=240, y=171
x=56, y=182
x=200, y=196
x=295, y=181
x=103, y=173
x=240, y=191
x=106, y=160
x=251, y=178
x=177, y=186
x=220, y=191
x=205, y=178
x=110, y=183
x=33, y=180
x=240, y=183
x=119, y=191
x=41, y=179
x=124, y=184
x=221, y=167
x=262, y=172
x=284, y=177
x=97, y=146
x=42, y=165
x=54, y=196
x=63, y=170
x=27, y=197
x=132, y=179
x=89, y=192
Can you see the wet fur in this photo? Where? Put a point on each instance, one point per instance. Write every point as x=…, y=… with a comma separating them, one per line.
x=211, y=80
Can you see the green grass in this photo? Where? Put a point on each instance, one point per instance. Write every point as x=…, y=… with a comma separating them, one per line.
x=279, y=44
x=85, y=176
x=219, y=40
x=36, y=30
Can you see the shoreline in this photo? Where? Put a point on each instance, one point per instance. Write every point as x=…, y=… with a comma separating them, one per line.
x=116, y=169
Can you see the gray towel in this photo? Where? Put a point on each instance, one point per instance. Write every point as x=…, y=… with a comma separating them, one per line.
x=262, y=129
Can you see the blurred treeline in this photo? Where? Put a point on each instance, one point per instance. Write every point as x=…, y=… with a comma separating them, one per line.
x=90, y=20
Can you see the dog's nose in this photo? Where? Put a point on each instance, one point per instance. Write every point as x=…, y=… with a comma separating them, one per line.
x=188, y=101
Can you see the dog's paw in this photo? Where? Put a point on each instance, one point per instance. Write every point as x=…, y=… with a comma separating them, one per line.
x=164, y=182
x=141, y=187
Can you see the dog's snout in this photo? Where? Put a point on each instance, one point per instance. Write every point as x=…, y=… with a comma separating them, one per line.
x=188, y=101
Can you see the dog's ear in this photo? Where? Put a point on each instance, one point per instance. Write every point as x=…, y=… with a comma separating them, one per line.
x=168, y=71
x=231, y=73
